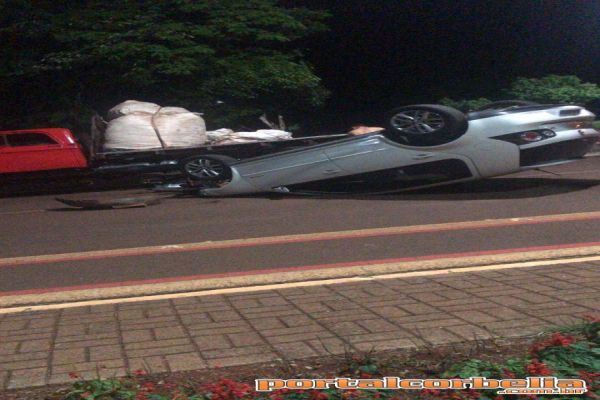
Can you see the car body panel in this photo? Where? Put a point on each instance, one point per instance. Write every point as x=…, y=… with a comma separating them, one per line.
x=375, y=153
x=54, y=149
x=379, y=156
x=372, y=154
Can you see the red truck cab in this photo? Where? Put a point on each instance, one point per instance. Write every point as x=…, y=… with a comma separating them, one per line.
x=40, y=150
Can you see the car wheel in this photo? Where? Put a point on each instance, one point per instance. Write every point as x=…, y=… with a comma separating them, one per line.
x=207, y=167
x=426, y=124
x=502, y=104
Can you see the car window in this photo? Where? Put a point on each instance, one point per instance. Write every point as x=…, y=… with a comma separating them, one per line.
x=3, y=141
x=29, y=139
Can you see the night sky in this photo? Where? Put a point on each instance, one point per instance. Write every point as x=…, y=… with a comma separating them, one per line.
x=382, y=53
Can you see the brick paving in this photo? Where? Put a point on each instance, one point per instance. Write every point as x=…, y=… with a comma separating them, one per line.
x=38, y=348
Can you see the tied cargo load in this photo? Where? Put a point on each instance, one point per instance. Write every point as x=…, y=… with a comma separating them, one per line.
x=135, y=125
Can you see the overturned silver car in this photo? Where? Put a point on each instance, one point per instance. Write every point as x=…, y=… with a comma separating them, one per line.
x=421, y=146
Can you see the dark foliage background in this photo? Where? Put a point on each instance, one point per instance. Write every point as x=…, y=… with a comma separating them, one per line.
x=381, y=54
x=231, y=59
x=234, y=59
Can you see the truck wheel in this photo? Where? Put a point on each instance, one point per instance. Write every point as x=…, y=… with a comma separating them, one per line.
x=207, y=167
x=426, y=124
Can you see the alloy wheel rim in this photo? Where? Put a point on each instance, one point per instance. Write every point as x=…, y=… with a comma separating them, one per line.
x=204, y=168
x=418, y=122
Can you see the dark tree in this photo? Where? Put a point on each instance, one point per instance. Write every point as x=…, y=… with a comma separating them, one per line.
x=63, y=59
x=554, y=89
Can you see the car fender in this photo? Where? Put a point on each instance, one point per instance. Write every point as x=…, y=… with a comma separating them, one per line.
x=492, y=157
x=237, y=185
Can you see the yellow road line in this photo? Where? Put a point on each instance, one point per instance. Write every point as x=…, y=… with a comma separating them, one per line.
x=276, y=281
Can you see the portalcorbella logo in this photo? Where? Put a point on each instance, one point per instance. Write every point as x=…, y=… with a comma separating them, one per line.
x=529, y=385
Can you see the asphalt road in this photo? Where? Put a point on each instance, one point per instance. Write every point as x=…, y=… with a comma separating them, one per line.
x=41, y=226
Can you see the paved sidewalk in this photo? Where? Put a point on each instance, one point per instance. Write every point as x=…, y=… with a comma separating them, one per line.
x=38, y=348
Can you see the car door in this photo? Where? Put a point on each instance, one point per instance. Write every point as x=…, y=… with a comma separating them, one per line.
x=370, y=154
x=377, y=163
x=284, y=169
x=376, y=153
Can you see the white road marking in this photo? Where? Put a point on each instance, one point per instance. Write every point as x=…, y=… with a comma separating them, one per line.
x=306, y=283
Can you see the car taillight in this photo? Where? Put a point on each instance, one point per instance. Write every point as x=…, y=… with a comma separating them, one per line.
x=521, y=138
x=531, y=136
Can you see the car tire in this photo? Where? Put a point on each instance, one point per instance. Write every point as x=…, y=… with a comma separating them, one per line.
x=425, y=124
x=207, y=168
x=502, y=104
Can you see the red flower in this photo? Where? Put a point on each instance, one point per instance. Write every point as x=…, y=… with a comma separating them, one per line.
x=140, y=372
x=471, y=394
x=316, y=395
x=537, y=368
x=589, y=375
x=148, y=387
x=74, y=375
x=557, y=339
x=365, y=375
x=508, y=374
x=592, y=317
x=227, y=389
x=431, y=392
x=589, y=378
x=453, y=396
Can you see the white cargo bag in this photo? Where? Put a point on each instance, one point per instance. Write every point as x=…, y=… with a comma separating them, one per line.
x=265, y=135
x=218, y=135
x=180, y=128
x=227, y=136
x=152, y=127
x=131, y=132
x=130, y=107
